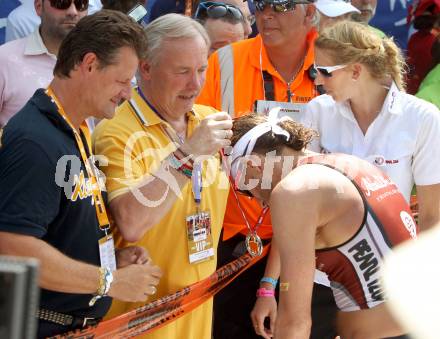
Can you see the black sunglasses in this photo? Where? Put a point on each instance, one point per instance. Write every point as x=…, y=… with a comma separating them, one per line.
x=80, y=5
x=278, y=6
x=216, y=10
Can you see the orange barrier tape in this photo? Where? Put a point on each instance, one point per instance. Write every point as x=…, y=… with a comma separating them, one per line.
x=168, y=308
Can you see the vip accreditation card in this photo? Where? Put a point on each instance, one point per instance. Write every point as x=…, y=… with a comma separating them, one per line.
x=107, y=252
x=200, y=243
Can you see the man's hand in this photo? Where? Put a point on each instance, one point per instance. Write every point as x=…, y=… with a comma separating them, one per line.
x=212, y=134
x=131, y=255
x=134, y=283
x=264, y=307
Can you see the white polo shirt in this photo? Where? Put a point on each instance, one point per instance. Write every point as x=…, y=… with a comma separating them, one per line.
x=403, y=140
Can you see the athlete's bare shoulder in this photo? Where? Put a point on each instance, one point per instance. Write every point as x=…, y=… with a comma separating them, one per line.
x=311, y=178
x=317, y=187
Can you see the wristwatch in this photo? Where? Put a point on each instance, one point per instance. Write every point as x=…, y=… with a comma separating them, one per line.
x=105, y=282
x=108, y=279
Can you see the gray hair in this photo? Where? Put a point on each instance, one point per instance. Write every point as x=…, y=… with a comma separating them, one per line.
x=171, y=27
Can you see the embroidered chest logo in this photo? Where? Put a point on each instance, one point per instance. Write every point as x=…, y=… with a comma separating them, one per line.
x=82, y=187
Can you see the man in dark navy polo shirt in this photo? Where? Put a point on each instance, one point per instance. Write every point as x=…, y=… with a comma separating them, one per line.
x=51, y=202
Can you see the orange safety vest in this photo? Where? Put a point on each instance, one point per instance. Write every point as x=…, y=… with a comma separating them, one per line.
x=248, y=86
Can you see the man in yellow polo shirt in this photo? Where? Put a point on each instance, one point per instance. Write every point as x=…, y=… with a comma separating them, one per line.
x=154, y=173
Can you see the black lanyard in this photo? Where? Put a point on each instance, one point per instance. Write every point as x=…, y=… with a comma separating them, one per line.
x=269, y=88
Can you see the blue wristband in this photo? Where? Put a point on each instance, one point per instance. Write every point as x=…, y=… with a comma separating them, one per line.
x=269, y=280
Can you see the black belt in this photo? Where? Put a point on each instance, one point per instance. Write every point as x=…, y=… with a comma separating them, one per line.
x=66, y=319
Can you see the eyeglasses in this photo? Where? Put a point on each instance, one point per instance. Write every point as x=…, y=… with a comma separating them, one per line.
x=216, y=10
x=80, y=5
x=326, y=71
x=277, y=5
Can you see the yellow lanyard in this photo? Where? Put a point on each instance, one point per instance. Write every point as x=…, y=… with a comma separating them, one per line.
x=101, y=212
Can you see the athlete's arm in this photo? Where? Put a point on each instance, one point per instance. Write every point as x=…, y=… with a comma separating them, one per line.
x=273, y=264
x=428, y=198
x=267, y=306
x=295, y=216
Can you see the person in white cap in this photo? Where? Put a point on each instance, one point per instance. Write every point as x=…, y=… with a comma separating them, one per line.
x=333, y=10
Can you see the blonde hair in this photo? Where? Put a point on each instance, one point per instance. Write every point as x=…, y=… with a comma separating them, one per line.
x=350, y=42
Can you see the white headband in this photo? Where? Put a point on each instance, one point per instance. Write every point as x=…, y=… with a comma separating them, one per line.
x=245, y=145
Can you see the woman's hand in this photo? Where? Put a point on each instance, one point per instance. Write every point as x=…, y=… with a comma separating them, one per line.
x=264, y=307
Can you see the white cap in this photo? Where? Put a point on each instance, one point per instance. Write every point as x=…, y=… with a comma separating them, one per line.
x=334, y=8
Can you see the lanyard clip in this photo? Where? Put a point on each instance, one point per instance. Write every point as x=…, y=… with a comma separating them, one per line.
x=196, y=180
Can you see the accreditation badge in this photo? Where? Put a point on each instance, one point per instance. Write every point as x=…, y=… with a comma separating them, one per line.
x=200, y=243
x=107, y=252
x=292, y=110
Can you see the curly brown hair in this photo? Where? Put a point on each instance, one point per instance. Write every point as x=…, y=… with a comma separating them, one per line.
x=300, y=136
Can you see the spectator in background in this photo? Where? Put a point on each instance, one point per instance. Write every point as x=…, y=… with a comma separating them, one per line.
x=331, y=11
x=426, y=15
x=188, y=7
x=27, y=63
x=23, y=20
x=429, y=89
x=367, y=10
x=248, y=16
x=223, y=23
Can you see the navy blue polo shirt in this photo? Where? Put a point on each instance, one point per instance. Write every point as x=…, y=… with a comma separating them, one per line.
x=43, y=189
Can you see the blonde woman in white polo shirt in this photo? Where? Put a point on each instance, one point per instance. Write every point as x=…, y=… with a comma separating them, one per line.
x=367, y=113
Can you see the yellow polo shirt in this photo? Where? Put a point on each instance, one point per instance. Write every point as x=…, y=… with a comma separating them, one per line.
x=133, y=149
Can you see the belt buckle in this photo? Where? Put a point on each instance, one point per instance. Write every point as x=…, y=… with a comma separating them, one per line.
x=86, y=320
